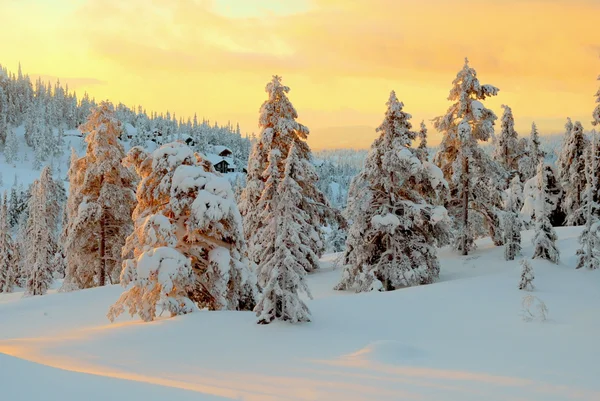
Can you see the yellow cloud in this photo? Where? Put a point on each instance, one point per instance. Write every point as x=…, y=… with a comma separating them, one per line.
x=215, y=57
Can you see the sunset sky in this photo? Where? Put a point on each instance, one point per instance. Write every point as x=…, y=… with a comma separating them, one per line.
x=340, y=57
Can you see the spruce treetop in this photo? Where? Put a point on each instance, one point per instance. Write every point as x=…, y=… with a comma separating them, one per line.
x=396, y=125
x=596, y=113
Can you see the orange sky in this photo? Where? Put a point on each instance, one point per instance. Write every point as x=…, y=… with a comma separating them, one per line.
x=340, y=57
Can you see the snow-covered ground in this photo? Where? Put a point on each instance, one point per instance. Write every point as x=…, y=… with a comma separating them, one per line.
x=460, y=339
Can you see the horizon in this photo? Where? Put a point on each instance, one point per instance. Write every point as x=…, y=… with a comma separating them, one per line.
x=214, y=58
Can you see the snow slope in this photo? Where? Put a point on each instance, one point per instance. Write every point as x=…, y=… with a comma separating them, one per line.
x=459, y=339
x=23, y=172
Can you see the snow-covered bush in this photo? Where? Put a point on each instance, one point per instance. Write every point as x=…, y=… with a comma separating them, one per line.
x=533, y=308
x=527, y=276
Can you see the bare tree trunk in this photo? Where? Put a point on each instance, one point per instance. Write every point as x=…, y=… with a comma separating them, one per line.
x=465, y=251
x=102, y=272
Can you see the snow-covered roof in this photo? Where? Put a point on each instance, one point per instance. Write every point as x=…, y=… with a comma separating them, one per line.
x=216, y=159
x=130, y=129
x=219, y=149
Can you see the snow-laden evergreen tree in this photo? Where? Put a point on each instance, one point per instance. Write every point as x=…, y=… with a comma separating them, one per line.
x=555, y=192
x=188, y=245
x=506, y=150
x=8, y=268
x=422, y=152
x=527, y=276
x=41, y=243
x=596, y=113
x=514, y=194
x=18, y=203
x=532, y=156
x=11, y=148
x=393, y=238
x=101, y=200
x=571, y=171
x=475, y=180
x=285, y=257
x=336, y=239
x=589, y=254
x=280, y=130
x=358, y=202
x=544, y=239
x=512, y=221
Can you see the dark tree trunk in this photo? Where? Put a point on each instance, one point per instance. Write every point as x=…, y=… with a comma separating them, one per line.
x=465, y=250
x=102, y=272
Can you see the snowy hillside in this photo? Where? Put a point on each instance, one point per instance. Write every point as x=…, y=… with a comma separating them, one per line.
x=461, y=338
x=22, y=169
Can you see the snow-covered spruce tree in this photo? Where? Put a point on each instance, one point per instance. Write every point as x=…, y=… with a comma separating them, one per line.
x=589, y=254
x=514, y=193
x=11, y=149
x=571, y=171
x=528, y=167
x=41, y=244
x=422, y=152
x=358, y=202
x=101, y=199
x=596, y=112
x=544, y=239
x=188, y=245
x=395, y=235
x=284, y=257
x=8, y=268
x=512, y=221
x=336, y=239
x=303, y=222
x=553, y=188
x=527, y=276
x=506, y=150
x=280, y=130
x=475, y=180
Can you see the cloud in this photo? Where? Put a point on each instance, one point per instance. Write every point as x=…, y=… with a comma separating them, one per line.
x=200, y=55
x=380, y=38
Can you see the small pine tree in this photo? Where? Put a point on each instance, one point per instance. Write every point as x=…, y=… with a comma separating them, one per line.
x=512, y=222
x=336, y=239
x=8, y=272
x=13, y=215
x=527, y=276
x=41, y=244
x=284, y=259
x=532, y=154
x=506, y=151
x=596, y=112
x=544, y=239
x=11, y=150
x=422, y=152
